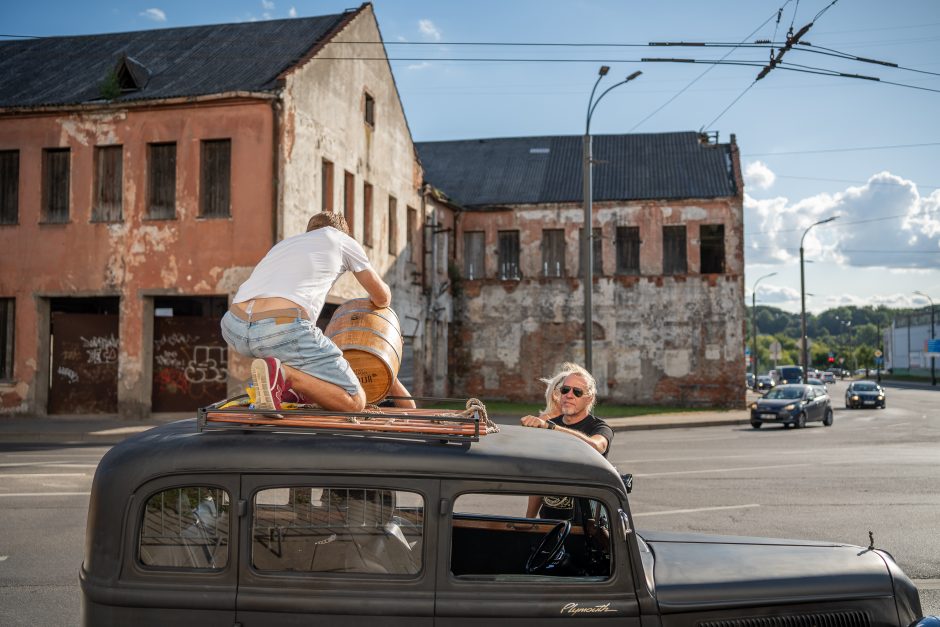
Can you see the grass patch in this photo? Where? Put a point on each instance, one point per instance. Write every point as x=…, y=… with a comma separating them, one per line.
x=507, y=408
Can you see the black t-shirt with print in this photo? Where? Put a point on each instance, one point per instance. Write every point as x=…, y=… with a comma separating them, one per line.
x=565, y=507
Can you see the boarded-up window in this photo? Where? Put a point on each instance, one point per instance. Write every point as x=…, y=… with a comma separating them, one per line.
x=712, y=248
x=161, y=192
x=7, y=319
x=473, y=254
x=392, y=225
x=9, y=186
x=410, y=229
x=216, y=180
x=349, y=201
x=55, y=185
x=370, y=110
x=109, y=184
x=367, y=214
x=597, y=260
x=628, y=250
x=674, y=256
x=509, y=255
x=326, y=186
x=553, y=252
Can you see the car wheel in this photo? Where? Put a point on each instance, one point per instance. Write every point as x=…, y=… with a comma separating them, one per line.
x=827, y=418
x=756, y=425
x=883, y=405
x=800, y=421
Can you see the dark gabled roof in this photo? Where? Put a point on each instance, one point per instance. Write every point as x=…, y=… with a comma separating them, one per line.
x=528, y=170
x=170, y=62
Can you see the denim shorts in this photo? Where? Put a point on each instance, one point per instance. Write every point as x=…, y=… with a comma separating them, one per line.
x=298, y=343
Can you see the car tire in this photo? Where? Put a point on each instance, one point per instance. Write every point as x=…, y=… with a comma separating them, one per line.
x=800, y=421
x=827, y=418
x=883, y=405
x=756, y=425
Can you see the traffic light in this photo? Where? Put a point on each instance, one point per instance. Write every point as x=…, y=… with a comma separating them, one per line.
x=831, y=359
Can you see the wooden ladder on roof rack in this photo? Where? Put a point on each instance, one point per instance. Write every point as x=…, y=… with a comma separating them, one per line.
x=442, y=425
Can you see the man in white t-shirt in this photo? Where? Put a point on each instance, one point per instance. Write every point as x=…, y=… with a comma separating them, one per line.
x=273, y=317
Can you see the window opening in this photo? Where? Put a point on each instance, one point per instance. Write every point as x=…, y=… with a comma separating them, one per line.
x=9, y=186
x=7, y=328
x=349, y=201
x=109, y=184
x=161, y=204
x=509, y=255
x=674, y=252
x=474, y=243
x=597, y=261
x=370, y=110
x=326, y=186
x=186, y=528
x=712, y=248
x=55, y=185
x=367, y=214
x=392, y=225
x=216, y=166
x=553, y=253
x=628, y=250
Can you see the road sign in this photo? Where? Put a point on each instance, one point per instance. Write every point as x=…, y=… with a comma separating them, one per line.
x=933, y=348
x=775, y=350
x=878, y=353
x=879, y=360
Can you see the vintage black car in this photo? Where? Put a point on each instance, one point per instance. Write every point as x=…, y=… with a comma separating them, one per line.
x=865, y=394
x=259, y=527
x=792, y=405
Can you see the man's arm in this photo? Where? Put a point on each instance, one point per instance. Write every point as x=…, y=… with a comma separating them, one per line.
x=598, y=442
x=376, y=288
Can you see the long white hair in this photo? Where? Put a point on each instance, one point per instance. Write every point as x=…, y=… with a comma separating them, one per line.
x=553, y=395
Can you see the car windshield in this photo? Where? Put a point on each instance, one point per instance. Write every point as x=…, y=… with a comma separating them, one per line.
x=865, y=387
x=785, y=393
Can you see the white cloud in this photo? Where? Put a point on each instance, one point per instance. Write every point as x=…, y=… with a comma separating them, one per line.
x=419, y=66
x=157, y=15
x=884, y=223
x=267, y=5
x=429, y=30
x=266, y=16
x=770, y=293
x=292, y=12
x=759, y=175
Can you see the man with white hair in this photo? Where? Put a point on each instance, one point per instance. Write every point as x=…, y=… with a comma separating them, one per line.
x=570, y=398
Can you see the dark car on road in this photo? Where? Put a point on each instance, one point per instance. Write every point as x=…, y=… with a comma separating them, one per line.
x=266, y=523
x=764, y=383
x=789, y=374
x=864, y=394
x=792, y=405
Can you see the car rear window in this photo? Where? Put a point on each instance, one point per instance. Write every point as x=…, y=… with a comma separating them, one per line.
x=317, y=529
x=186, y=528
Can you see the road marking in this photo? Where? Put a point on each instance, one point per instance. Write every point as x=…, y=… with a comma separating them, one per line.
x=46, y=465
x=46, y=494
x=697, y=509
x=30, y=475
x=3, y=558
x=698, y=472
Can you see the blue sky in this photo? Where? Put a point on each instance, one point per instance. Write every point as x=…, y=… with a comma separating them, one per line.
x=812, y=145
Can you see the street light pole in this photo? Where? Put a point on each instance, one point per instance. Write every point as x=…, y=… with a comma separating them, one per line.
x=803, y=348
x=933, y=369
x=754, y=325
x=587, y=254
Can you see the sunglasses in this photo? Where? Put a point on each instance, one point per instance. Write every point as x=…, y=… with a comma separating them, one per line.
x=578, y=392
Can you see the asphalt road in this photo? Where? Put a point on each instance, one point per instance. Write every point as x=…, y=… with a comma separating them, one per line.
x=874, y=470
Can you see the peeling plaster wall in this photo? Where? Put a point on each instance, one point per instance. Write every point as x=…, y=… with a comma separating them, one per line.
x=135, y=257
x=656, y=339
x=323, y=106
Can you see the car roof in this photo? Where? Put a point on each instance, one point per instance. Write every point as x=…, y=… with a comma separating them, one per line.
x=512, y=452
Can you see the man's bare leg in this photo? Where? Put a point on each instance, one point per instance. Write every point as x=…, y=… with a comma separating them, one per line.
x=326, y=395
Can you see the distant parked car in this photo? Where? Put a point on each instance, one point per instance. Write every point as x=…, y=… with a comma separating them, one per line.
x=864, y=394
x=817, y=382
x=764, y=383
x=829, y=377
x=789, y=374
x=792, y=405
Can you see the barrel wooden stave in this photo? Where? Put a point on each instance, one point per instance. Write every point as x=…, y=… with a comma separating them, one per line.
x=371, y=341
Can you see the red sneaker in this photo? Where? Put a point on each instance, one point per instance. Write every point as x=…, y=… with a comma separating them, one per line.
x=293, y=396
x=268, y=378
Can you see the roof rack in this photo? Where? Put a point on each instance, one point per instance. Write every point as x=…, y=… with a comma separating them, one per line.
x=440, y=425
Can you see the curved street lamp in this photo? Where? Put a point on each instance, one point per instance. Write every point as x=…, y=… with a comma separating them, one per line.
x=587, y=254
x=754, y=324
x=933, y=370
x=804, y=352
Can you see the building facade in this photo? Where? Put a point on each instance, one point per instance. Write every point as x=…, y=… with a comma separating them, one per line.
x=668, y=296
x=143, y=175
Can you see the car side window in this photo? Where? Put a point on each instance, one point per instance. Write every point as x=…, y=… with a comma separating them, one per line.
x=186, y=528
x=315, y=529
x=556, y=535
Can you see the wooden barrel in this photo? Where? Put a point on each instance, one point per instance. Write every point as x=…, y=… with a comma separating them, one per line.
x=370, y=338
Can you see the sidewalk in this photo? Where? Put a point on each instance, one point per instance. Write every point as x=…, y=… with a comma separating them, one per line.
x=111, y=429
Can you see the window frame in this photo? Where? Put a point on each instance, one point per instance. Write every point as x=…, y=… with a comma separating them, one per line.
x=326, y=185
x=475, y=239
x=349, y=201
x=368, y=109
x=56, y=185
x=507, y=254
x=392, y=224
x=215, y=178
x=9, y=187
x=627, y=250
x=552, y=239
x=108, y=203
x=7, y=338
x=161, y=185
x=678, y=264
x=368, y=217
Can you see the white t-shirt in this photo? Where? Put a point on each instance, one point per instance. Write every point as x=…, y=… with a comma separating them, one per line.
x=303, y=268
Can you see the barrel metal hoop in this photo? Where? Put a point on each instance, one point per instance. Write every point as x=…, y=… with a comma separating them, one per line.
x=368, y=330
x=370, y=351
x=369, y=311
